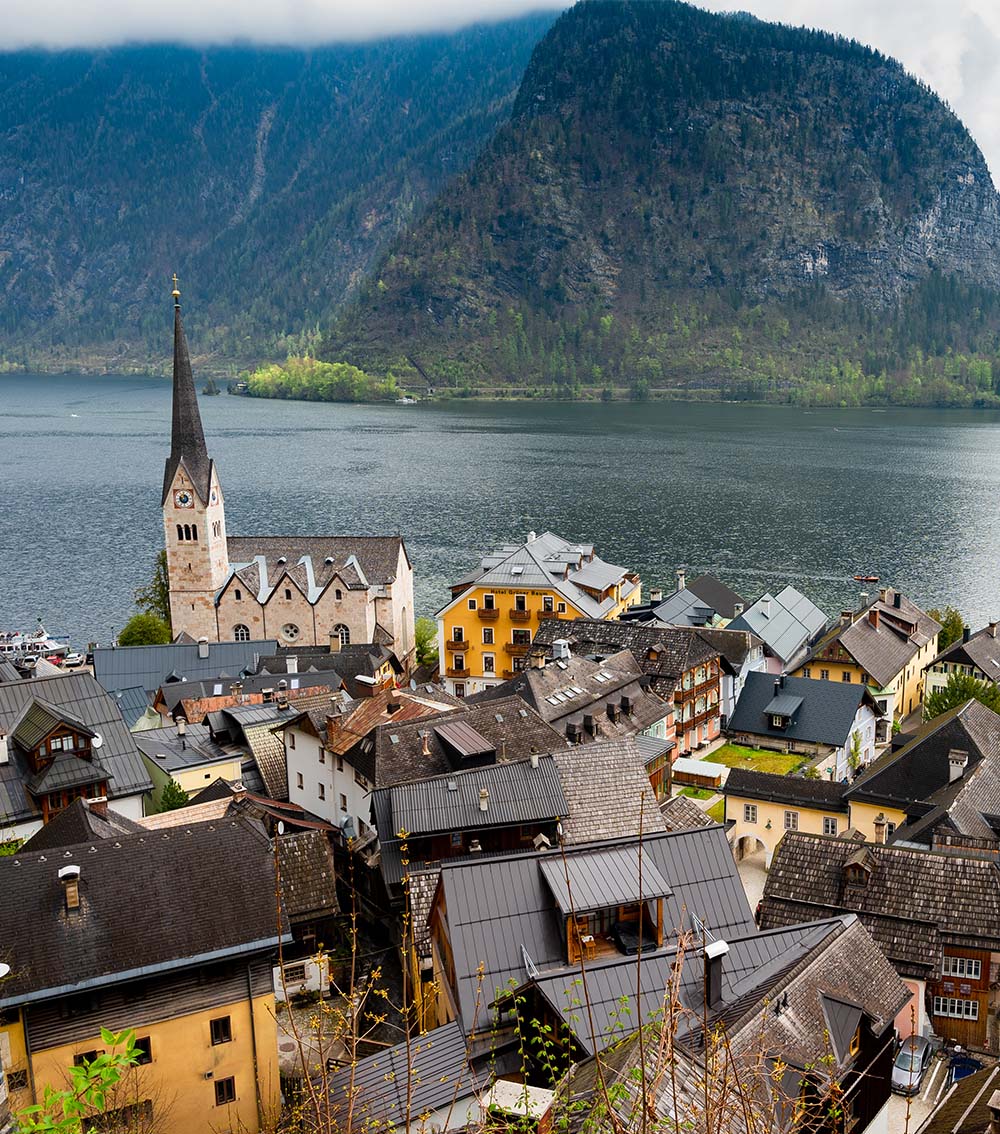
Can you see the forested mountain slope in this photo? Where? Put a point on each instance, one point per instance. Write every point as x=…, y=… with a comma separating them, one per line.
x=268, y=179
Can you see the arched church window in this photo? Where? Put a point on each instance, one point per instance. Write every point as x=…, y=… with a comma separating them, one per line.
x=187, y=531
x=194, y=531
x=290, y=632
x=241, y=633
x=338, y=594
x=239, y=594
x=288, y=592
x=343, y=634
x=180, y=531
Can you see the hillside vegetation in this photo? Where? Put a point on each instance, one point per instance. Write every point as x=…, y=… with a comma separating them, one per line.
x=703, y=203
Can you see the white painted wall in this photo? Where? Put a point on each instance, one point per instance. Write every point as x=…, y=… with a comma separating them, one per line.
x=333, y=774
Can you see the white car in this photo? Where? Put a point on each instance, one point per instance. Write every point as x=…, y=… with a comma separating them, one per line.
x=71, y=661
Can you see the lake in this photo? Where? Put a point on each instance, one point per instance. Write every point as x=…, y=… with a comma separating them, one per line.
x=758, y=495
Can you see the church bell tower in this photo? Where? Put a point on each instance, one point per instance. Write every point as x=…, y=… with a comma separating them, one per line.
x=194, y=521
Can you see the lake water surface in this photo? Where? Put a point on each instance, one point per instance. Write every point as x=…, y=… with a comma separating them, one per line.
x=758, y=495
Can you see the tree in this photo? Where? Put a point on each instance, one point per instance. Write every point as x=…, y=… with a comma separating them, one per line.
x=952, y=625
x=172, y=796
x=144, y=630
x=961, y=688
x=854, y=756
x=425, y=631
x=154, y=598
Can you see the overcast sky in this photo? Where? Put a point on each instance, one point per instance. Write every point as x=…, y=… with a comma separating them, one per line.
x=954, y=45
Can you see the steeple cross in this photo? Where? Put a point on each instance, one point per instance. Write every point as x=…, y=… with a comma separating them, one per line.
x=177, y=293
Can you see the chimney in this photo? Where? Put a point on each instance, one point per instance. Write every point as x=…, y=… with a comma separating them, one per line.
x=883, y=595
x=560, y=649
x=777, y=686
x=873, y=616
x=655, y=594
x=292, y=662
x=475, y=846
x=425, y=743
x=531, y=537
x=588, y=723
x=203, y=647
x=765, y=608
x=534, y=759
x=334, y=642
x=715, y=952
x=958, y=761
x=626, y=704
x=4, y=750
x=880, y=827
x=537, y=661
x=737, y=609
x=282, y=702
x=993, y=629
x=681, y=578
x=846, y=617
x=993, y=1105
x=484, y=799
x=393, y=702
x=69, y=876
x=98, y=805
x=966, y=633
x=897, y=600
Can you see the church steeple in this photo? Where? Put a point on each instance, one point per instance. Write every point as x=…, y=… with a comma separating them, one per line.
x=187, y=439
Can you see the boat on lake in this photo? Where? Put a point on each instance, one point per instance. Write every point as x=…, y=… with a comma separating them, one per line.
x=36, y=643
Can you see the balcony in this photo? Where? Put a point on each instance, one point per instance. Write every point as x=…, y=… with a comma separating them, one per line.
x=488, y=613
x=684, y=693
x=519, y=615
x=456, y=644
x=516, y=651
x=451, y=671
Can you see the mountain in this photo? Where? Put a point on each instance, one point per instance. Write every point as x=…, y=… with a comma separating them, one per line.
x=269, y=180
x=700, y=200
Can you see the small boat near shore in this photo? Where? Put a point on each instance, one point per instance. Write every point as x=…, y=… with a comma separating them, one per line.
x=866, y=578
x=37, y=643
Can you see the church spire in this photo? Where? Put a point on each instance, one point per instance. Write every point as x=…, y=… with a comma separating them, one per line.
x=187, y=439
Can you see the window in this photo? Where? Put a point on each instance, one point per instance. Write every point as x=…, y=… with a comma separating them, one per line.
x=846, y=675
x=338, y=594
x=288, y=593
x=238, y=595
x=488, y=636
x=322, y=754
x=86, y=1057
x=290, y=631
x=134, y=1116
x=890, y=830
x=791, y=820
x=459, y=688
x=457, y=634
x=488, y=602
x=777, y=721
x=222, y=1029
x=343, y=803
x=460, y=661
x=489, y=664
x=962, y=967
x=547, y=603
x=225, y=1091
x=456, y=840
x=806, y=671
x=180, y=532
x=17, y=1080
x=855, y=1041
x=829, y=825
x=322, y=791
x=749, y=812
x=472, y=604
x=956, y=1009
x=521, y=637
x=241, y=633
x=520, y=602
x=342, y=633
x=299, y=781
x=560, y=608
x=824, y=675
x=340, y=763
x=145, y=1049
x=291, y=740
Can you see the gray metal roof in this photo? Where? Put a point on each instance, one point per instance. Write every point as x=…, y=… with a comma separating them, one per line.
x=81, y=697
x=784, y=705
x=132, y=703
x=166, y=749
x=825, y=713
x=501, y=909
x=786, y=622
x=122, y=667
x=684, y=608
x=600, y=879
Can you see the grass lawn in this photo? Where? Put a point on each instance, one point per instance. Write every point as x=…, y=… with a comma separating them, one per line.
x=737, y=756
x=717, y=811
x=697, y=792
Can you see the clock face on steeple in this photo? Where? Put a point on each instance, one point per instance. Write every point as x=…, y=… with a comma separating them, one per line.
x=183, y=498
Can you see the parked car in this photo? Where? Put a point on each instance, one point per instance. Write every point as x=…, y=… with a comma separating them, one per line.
x=71, y=661
x=910, y=1065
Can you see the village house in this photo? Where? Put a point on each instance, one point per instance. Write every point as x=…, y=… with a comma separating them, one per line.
x=704, y=602
x=740, y=654
x=973, y=655
x=682, y=665
x=362, y=667
x=188, y=755
x=935, y=916
x=787, y=623
x=886, y=645
x=61, y=738
x=302, y=590
x=486, y=630
x=172, y=937
x=589, y=700
x=192, y=701
x=782, y=1031
x=833, y=724
x=151, y=667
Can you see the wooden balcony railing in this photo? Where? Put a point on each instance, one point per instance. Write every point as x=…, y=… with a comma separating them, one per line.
x=488, y=613
x=519, y=615
x=456, y=644
x=516, y=651
x=451, y=671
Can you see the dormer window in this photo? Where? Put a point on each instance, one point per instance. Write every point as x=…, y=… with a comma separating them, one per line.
x=778, y=721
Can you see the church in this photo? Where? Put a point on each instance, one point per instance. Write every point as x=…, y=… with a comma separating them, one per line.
x=300, y=590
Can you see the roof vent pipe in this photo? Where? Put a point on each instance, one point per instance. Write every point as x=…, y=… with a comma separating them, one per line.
x=715, y=952
x=966, y=633
x=425, y=743
x=69, y=876
x=484, y=799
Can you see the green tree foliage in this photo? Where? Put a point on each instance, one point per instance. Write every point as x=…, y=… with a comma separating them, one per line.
x=314, y=381
x=426, y=634
x=952, y=625
x=172, y=796
x=961, y=688
x=91, y=1088
x=144, y=630
x=154, y=598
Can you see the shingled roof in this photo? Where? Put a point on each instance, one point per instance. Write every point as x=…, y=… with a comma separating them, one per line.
x=149, y=902
x=308, y=879
x=981, y=650
x=80, y=823
x=682, y=814
x=912, y=903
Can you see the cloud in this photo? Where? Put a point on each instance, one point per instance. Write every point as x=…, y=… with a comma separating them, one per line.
x=953, y=45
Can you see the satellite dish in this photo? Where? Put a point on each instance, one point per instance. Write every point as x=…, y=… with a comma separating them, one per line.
x=281, y=826
x=413, y=684
x=4, y=971
x=97, y=741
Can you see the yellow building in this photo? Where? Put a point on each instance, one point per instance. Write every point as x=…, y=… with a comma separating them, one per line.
x=886, y=645
x=172, y=937
x=187, y=754
x=486, y=630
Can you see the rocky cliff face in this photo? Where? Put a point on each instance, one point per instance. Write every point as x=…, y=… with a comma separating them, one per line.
x=655, y=151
